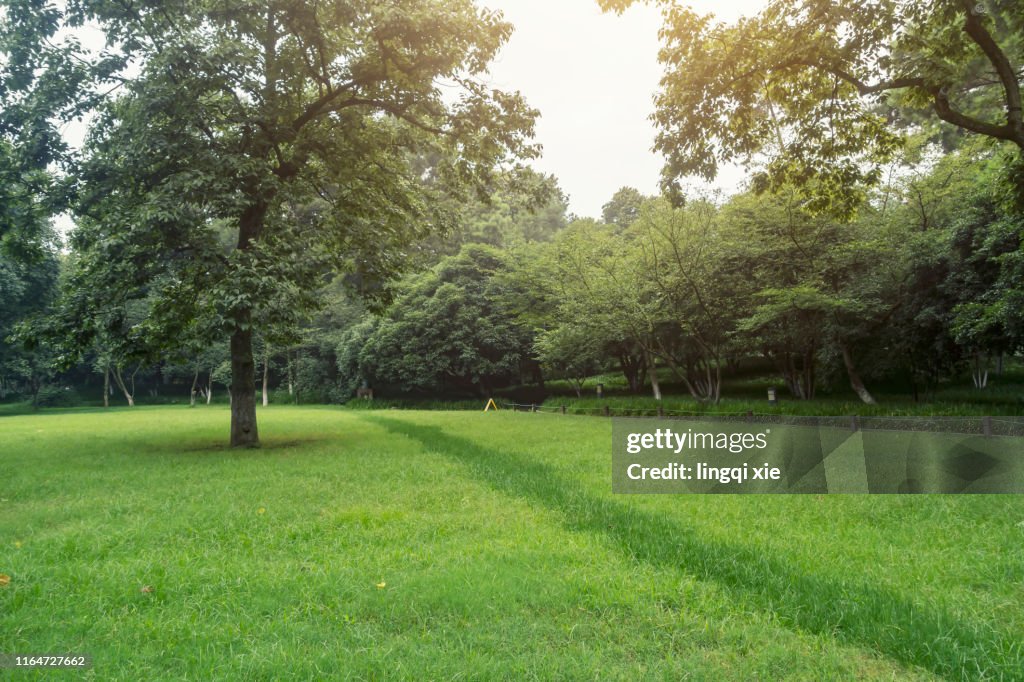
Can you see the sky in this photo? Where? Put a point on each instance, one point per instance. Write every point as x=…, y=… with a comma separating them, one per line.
x=593, y=77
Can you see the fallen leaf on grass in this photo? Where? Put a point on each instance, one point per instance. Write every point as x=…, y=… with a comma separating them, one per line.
x=381, y=585
x=261, y=510
x=17, y=544
x=146, y=589
x=5, y=580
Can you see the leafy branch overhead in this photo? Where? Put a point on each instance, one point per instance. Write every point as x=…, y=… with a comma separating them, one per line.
x=824, y=90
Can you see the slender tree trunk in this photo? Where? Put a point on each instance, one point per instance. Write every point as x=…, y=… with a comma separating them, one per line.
x=209, y=387
x=980, y=373
x=798, y=376
x=244, y=433
x=653, y=374
x=119, y=380
x=809, y=378
x=132, y=379
x=855, y=381
x=291, y=390
x=633, y=369
x=266, y=376
x=106, y=385
x=192, y=393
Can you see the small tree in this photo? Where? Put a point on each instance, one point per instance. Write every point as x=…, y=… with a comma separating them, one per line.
x=572, y=351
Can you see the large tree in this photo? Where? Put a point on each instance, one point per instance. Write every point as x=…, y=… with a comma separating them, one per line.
x=25, y=292
x=320, y=133
x=823, y=89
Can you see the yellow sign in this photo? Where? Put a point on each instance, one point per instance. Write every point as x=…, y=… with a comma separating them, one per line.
x=490, y=404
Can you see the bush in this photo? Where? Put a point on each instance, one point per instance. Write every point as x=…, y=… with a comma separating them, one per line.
x=57, y=396
x=464, y=405
x=280, y=396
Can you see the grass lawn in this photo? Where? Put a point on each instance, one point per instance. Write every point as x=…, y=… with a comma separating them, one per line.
x=437, y=545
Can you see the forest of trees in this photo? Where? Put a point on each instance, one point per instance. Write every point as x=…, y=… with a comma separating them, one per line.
x=267, y=205
x=918, y=287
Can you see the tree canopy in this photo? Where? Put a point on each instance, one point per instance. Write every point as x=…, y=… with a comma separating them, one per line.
x=824, y=90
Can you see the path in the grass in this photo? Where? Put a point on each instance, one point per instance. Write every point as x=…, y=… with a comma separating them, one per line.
x=849, y=610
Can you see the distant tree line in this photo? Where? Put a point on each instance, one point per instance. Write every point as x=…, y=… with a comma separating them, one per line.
x=921, y=285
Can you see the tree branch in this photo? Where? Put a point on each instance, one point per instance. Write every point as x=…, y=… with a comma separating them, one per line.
x=863, y=88
x=1011, y=88
x=387, y=107
x=316, y=108
x=1013, y=131
x=946, y=112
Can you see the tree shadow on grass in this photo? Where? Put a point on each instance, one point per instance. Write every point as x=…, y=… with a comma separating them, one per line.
x=221, y=446
x=851, y=611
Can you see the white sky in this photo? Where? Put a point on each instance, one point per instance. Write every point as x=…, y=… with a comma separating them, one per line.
x=593, y=77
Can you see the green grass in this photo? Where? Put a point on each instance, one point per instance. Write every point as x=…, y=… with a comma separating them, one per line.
x=501, y=551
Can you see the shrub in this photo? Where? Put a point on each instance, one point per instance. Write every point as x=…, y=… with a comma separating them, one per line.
x=57, y=396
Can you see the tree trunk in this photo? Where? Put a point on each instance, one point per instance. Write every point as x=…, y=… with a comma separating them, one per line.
x=119, y=380
x=794, y=377
x=653, y=374
x=980, y=372
x=244, y=433
x=106, y=385
x=808, y=373
x=243, y=384
x=192, y=393
x=633, y=369
x=718, y=382
x=266, y=376
x=291, y=390
x=855, y=381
